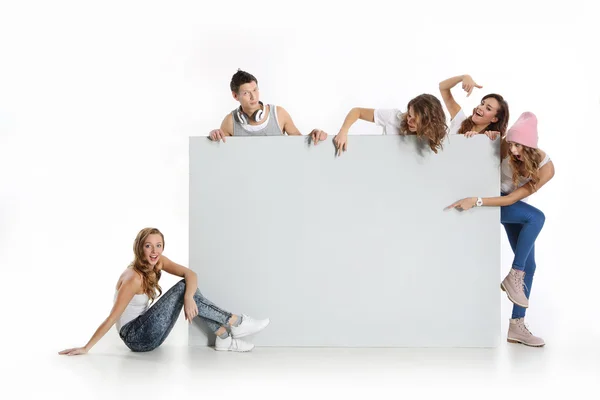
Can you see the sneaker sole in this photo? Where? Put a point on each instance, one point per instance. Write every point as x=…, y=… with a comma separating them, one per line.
x=235, y=351
x=510, y=298
x=509, y=340
x=250, y=333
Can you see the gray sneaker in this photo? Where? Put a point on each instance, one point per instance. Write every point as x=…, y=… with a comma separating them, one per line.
x=514, y=286
x=519, y=333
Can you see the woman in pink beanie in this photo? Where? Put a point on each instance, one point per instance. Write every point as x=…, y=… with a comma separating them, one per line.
x=525, y=169
x=490, y=117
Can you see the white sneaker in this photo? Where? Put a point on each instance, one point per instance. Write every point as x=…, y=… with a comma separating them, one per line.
x=249, y=326
x=231, y=344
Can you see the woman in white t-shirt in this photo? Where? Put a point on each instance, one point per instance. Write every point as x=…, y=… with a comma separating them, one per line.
x=490, y=117
x=525, y=169
x=424, y=117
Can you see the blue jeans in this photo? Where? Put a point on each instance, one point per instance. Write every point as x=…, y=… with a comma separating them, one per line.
x=149, y=330
x=523, y=224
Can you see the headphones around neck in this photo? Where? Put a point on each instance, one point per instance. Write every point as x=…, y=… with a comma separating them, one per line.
x=256, y=116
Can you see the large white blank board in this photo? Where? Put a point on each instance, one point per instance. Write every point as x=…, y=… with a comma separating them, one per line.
x=348, y=251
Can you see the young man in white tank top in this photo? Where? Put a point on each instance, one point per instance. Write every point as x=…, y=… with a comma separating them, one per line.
x=252, y=117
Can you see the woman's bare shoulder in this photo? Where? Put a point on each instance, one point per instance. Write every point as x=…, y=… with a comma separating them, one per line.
x=130, y=277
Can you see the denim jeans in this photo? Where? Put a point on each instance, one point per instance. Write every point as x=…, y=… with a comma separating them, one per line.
x=522, y=223
x=149, y=330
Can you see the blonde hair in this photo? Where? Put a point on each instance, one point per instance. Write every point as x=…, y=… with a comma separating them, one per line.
x=150, y=275
x=431, y=120
x=527, y=167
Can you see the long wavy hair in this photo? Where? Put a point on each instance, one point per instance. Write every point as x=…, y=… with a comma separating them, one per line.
x=431, y=120
x=527, y=167
x=503, y=115
x=150, y=275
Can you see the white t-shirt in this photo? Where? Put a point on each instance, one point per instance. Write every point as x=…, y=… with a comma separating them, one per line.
x=389, y=119
x=456, y=122
x=506, y=184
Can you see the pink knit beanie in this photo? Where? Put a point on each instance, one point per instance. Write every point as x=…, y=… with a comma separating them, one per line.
x=524, y=131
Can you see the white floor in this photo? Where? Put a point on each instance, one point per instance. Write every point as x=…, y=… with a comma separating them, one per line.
x=570, y=368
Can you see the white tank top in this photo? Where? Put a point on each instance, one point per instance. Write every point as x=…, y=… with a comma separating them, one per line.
x=136, y=307
x=507, y=186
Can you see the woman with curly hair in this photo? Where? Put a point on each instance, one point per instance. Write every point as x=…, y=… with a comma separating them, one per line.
x=490, y=117
x=424, y=117
x=525, y=169
x=144, y=328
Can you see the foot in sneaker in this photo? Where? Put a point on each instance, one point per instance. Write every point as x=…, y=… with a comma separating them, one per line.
x=518, y=332
x=231, y=344
x=248, y=326
x=514, y=286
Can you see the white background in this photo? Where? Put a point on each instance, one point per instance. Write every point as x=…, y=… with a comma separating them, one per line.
x=98, y=99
